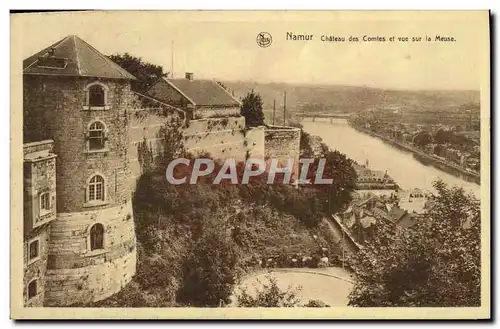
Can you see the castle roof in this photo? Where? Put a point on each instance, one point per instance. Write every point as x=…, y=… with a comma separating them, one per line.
x=73, y=56
x=200, y=92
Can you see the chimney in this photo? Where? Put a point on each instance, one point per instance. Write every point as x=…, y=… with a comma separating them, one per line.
x=189, y=76
x=51, y=51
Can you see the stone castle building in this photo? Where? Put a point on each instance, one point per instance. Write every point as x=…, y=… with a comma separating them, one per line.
x=84, y=129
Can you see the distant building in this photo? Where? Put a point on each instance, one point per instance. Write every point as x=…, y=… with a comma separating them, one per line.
x=412, y=200
x=372, y=179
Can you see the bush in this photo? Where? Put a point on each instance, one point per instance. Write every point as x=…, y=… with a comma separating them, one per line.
x=269, y=295
x=210, y=270
x=316, y=303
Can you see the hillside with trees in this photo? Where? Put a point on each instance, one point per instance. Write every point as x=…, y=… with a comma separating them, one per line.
x=349, y=99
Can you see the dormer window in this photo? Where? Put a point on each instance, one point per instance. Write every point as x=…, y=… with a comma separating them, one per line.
x=96, y=96
x=50, y=61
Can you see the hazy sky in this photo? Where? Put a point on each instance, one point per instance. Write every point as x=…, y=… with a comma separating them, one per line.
x=223, y=45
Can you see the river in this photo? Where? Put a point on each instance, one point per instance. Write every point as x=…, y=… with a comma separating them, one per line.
x=400, y=165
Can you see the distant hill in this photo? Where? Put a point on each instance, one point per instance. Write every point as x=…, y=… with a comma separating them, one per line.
x=349, y=99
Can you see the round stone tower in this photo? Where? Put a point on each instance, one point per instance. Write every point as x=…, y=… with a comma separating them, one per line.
x=80, y=99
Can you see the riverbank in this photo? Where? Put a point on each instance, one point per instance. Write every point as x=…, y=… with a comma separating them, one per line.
x=425, y=158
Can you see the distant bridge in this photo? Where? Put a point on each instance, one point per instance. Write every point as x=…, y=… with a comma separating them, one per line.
x=330, y=116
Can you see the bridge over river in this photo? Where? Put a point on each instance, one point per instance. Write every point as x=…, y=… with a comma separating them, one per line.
x=308, y=116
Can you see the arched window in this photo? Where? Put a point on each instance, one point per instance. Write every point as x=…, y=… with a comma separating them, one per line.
x=96, y=189
x=96, y=95
x=96, y=136
x=32, y=289
x=96, y=237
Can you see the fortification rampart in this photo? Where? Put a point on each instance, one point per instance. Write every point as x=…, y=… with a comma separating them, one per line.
x=222, y=138
x=283, y=143
x=78, y=274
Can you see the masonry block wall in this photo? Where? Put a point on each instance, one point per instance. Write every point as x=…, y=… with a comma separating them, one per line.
x=57, y=108
x=255, y=137
x=221, y=137
x=39, y=175
x=204, y=112
x=78, y=275
x=283, y=143
x=35, y=268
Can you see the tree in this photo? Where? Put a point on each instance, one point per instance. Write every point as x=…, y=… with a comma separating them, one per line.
x=306, y=147
x=172, y=144
x=338, y=167
x=251, y=109
x=443, y=136
x=269, y=295
x=210, y=270
x=435, y=263
x=422, y=139
x=146, y=73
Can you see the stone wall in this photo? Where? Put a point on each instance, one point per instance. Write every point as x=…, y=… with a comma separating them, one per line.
x=203, y=112
x=283, y=143
x=39, y=176
x=54, y=109
x=221, y=137
x=78, y=275
x=255, y=137
x=35, y=269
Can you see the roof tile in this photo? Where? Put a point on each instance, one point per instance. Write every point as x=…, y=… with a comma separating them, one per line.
x=204, y=92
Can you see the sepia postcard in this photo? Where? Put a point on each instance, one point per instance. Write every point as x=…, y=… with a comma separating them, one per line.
x=250, y=165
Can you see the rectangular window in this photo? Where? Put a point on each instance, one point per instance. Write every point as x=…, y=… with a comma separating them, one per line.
x=98, y=192
x=45, y=203
x=92, y=192
x=34, y=249
x=96, y=139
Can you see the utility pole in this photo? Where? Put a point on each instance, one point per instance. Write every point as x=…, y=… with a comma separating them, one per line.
x=330, y=200
x=172, y=64
x=343, y=248
x=284, y=111
x=274, y=110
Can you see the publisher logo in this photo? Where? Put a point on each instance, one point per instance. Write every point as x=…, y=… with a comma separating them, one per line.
x=264, y=39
